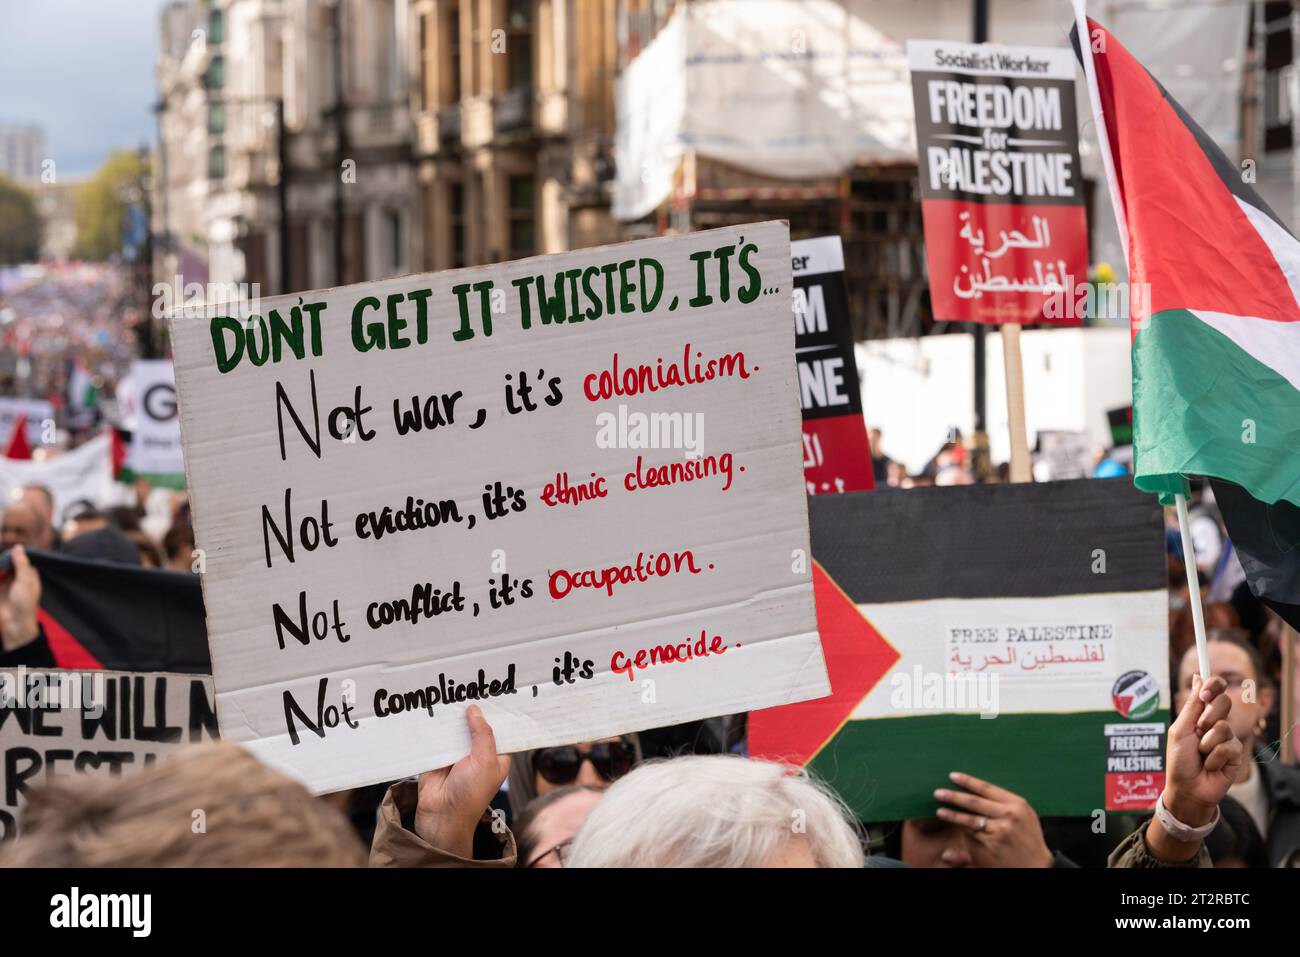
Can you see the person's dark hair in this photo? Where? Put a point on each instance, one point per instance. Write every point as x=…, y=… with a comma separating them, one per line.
x=179, y=540
x=1236, y=837
x=124, y=518
x=105, y=544
x=146, y=546
x=1230, y=637
x=525, y=834
x=886, y=837
x=82, y=510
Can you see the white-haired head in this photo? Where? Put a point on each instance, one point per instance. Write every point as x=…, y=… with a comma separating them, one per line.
x=714, y=811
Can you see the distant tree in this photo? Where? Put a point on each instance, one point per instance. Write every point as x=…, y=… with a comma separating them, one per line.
x=20, y=224
x=102, y=204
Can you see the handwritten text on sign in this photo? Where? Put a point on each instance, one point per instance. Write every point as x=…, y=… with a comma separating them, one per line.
x=568, y=488
x=110, y=723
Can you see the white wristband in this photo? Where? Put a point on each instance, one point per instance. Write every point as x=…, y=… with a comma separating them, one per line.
x=1180, y=831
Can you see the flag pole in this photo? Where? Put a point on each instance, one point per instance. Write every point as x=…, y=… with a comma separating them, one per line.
x=1121, y=221
x=1193, y=585
x=1099, y=118
x=1013, y=372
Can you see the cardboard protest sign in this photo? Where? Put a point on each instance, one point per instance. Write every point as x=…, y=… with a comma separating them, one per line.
x=54, y=723
x=1063, y=455
x=155, y=449
x=1001, y=189
x=836, y=453
x=567, y=488
x=1015, y=632
x=1121, y=425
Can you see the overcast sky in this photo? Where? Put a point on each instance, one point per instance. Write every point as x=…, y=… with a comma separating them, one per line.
x=83, y=70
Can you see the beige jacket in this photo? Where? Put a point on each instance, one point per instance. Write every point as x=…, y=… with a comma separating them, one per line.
x=397, y=845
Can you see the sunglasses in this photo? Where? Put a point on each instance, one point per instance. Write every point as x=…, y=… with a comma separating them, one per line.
x=559, y=766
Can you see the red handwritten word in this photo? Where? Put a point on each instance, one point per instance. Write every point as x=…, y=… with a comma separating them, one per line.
x=644, y=568
x=643, y=378
x=692, y=470
x=561, y=492
x=644, y=658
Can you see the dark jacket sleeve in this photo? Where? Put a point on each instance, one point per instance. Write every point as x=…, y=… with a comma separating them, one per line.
x=397, y=845
x=34, y=654
x=1133, y=852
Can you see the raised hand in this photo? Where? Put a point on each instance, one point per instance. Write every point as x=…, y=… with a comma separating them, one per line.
x=452, y=800
x=1005, y=828
x=20, y=596
x=1202, y=759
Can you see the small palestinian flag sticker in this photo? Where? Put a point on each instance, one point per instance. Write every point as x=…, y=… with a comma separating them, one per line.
x=1136, y=695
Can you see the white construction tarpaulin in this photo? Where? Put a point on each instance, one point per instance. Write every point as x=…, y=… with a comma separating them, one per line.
x=794, y=90
x=799, y=89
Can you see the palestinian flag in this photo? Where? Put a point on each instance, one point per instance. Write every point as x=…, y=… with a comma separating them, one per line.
x=1041, y=605
x=99, y=614
x=83, y=397
x=1216, y=329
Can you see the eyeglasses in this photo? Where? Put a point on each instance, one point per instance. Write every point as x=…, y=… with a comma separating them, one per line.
x=1231, y=678
x=559, y=766
x=559, y=850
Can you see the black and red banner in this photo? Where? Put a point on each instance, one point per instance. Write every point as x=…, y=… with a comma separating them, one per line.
x=1002, y=199
x=109, y=615
x=836, y=454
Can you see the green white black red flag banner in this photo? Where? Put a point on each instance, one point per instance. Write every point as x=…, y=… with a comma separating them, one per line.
x=1014, y=632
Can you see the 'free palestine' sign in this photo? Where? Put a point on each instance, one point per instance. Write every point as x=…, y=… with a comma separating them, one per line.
x=567, y=488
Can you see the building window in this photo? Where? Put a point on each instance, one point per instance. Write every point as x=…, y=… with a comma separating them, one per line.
x=217, y=162
x=453, y=57
x=387, y=65
x=458, y=256
x=216, y=118
x=428, y=66
x=523, y=218
x=216, y=28
x=519, y=43
x=215, y=78
x=393, y=235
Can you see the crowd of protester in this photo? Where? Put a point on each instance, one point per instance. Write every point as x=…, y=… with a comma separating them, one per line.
x=685, y=796
x=57, y=317
x=113, y=534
